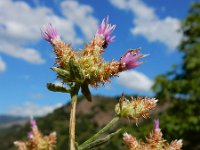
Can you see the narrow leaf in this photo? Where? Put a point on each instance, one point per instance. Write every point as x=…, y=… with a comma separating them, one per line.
x=60, y=71
x=99, y=142
x=63, y=74
x=57, y=88
x=86, y=91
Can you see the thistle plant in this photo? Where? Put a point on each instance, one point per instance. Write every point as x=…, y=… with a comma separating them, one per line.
x=135, y=108
x=154, y=141
x=36, y=140
x=78, y=70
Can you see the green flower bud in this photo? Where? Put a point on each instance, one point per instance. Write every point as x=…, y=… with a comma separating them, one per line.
x=135, y=108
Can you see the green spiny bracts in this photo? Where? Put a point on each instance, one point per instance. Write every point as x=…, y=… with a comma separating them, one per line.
x=154, y=141
x=63, y=52
x=92, y=67
x=87, y=65
x=135, y=108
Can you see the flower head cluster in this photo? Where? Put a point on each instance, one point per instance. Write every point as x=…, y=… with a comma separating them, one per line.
x=104, y=31
x=135, y=108
x=154, y=141
x=87, y=66
x=130, y=141
x=36, y=141
x=50, y=33
x=156, y=125
x=130, y=59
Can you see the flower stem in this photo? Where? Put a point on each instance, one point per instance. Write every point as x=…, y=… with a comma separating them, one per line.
x=94, y=137
x=99, y=142
x=74, y=96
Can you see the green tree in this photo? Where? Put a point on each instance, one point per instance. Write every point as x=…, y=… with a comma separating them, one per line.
x=182, y=86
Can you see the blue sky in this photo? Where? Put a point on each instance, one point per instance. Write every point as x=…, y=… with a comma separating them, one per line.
x=25, y=58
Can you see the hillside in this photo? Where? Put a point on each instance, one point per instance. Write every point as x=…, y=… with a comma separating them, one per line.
x=8, y=121
x=90, y=118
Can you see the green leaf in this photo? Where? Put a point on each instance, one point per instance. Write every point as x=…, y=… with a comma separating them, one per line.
x=57, y=88
x=86, y=91
x=62, y=74
x=75, y=71
x=61, y=71
x=100, y=141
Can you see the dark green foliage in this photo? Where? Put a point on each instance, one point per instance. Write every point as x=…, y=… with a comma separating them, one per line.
x=181, y=86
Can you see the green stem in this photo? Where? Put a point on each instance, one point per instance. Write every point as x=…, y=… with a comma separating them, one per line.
x=94, y=137
x=99, y=142
x=74, y=96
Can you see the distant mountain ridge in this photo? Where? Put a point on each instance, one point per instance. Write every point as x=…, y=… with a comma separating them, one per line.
x=9, y=120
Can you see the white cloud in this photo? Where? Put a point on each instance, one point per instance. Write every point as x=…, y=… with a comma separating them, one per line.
x=135, y=80
x=17, y=28
x=20, y=26
x=80, y=15
x=18, y=51
x=31, y=109
x=147, y=23
x=58, y=83
x=2, y=65
x=121, y=4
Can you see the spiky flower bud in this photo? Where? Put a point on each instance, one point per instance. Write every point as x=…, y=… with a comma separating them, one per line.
x=130, y=141
x=104, y=31
x=33, y=123
x=36, y=141
x=50, y=33
x=91, y=69
x=130, y=59
x=135, y=108
x=176, y=145
x=156, y=125
x=154, y=141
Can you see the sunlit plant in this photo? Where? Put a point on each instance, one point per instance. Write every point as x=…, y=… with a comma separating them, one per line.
x=78, y=70
x=154, y=141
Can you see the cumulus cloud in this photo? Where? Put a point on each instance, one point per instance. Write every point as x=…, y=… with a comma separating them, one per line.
x=20, y=26
x=135, y=80
x=17, y=28
x=58, y=83
x=30, y=109
x=147, y=23
x=28, y=54
x=2, y=65
x=79, y=14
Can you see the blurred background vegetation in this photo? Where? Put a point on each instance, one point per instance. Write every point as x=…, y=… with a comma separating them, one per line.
x=179, y=107
x=181, y=86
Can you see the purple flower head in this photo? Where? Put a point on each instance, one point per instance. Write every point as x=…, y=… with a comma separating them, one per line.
x=130, y=59
x=106, y=30
x=49, y=32
x=156, y=124
x=33, y=123
x=30, y=135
